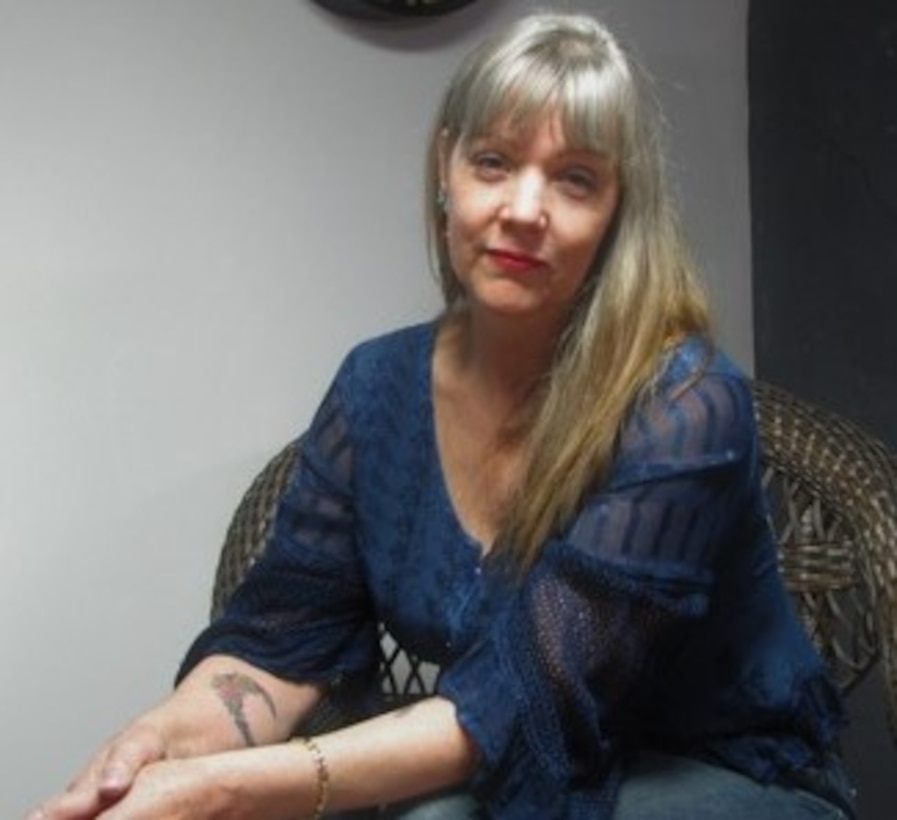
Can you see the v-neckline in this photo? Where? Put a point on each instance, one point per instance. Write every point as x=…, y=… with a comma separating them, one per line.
x=428, y=382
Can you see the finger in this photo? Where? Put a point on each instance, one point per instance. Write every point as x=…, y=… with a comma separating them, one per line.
x=106, y=779
x=125, y=759
x=73, y=805
x=80, y=800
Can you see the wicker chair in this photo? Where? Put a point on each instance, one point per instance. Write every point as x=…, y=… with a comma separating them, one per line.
x=833, y=498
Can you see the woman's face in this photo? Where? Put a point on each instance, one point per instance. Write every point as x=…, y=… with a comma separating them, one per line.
x=526, y=216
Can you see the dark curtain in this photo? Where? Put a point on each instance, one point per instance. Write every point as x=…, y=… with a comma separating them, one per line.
x=823, y=143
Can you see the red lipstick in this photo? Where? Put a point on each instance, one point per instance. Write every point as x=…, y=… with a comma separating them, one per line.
x=514, y=262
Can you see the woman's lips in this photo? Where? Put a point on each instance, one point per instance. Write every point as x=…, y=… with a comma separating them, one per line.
x=514, y=262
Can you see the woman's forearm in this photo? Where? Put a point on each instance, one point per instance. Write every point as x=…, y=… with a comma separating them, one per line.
x=212, y=749
x=402, y=754
x=225, y=703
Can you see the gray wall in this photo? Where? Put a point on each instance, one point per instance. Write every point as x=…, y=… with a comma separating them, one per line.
x=203, y=204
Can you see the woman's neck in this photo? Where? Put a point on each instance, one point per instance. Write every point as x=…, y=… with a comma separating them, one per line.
x=502, y=359
x=485, y=375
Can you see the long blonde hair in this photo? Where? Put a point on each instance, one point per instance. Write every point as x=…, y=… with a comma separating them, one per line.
x=641, y=293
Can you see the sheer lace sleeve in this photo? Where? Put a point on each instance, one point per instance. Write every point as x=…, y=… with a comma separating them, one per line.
x=550, y=694
x=303, y=610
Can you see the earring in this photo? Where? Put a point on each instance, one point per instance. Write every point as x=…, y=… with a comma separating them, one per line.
x=442, y=199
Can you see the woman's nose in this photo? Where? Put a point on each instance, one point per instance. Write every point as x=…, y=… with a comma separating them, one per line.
x=526, y=201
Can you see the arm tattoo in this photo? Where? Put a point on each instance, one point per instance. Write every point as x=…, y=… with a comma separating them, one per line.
x=233, y=688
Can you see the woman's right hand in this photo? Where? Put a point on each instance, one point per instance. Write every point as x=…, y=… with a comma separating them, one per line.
x=212, y=710
x=108, y=776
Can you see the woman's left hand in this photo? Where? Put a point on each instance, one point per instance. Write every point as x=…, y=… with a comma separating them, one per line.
x=263, y=783
x=191, y=789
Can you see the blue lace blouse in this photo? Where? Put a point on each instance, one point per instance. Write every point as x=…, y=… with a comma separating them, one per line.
x=656, y=620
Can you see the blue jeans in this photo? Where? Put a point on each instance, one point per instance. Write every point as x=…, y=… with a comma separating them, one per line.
x=664, y=787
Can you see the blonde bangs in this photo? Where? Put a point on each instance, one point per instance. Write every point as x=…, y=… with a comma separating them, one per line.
x=522, y=89
x=594, y=113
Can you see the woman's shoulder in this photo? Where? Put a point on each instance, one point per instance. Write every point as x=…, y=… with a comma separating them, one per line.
x=701, y=387
x=385, y=373
x=696, y=357
x=396, y=350
x=402, y=341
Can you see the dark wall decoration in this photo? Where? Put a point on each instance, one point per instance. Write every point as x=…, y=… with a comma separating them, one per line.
x=392, y=9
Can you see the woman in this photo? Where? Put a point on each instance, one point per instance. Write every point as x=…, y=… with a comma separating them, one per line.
x=551, y=491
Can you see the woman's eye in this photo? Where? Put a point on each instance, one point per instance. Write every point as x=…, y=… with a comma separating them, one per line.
x=489, y=164
x=579, y=182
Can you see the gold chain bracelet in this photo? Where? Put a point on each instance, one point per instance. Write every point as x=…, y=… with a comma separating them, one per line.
x=323, y=773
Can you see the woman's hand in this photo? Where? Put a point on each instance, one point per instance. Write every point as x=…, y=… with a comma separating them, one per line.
x=153, y=772
x=108, y=776
x=175, y=790
x=271, y=783
x=132, y=779
x=224, y=704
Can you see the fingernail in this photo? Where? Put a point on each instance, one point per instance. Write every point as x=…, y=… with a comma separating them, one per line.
x=114, y=777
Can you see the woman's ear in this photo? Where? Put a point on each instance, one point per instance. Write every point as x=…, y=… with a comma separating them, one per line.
x=443, y=156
